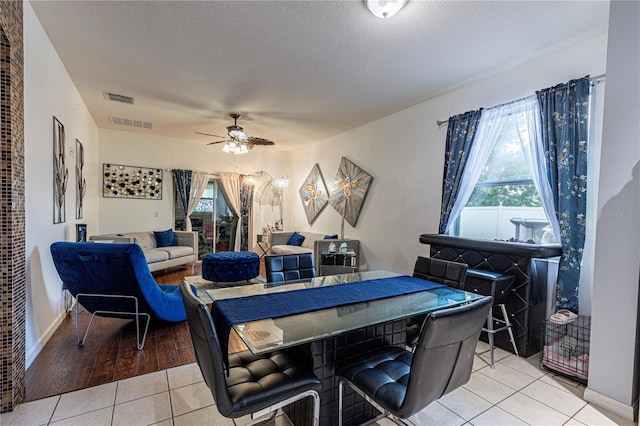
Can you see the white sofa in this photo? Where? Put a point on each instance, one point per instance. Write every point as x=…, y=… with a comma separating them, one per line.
x=279, y=244
x=158, y=258
x=313, y=243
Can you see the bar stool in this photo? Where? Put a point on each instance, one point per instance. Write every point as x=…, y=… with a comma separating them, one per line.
x=497, y=285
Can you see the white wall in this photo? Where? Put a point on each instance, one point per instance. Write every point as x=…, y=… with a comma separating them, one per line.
x=404, y=152
x=137, y=149
x=48, y=92
x=614, y=368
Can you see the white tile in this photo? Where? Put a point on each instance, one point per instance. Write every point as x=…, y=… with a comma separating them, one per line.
x=436, y=414
x=496, y=417
x=531, y=411
x=168, y=422
x=84, y=401
x=596, y=416
x=507, y=376
x=98, y=417
x=141, y=386
x=573, y=422
x=464, y=403
x=528, y=366
x=143, y=411
x=563, y=401
x=184, y=375
x=564, y=383
x=487, y=388
x=498, y=354
x=31, y=413
x=190, y=398
x=204, y=416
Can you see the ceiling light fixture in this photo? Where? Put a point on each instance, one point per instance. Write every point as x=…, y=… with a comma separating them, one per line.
x=235, y=146
x=385, y=8
x=282, y=182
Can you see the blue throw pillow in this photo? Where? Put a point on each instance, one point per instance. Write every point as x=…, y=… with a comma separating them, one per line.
x=165, y=238
x=331, y=237
x=295, y=240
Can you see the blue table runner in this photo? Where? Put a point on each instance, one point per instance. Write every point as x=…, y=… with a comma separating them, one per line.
x=228, y=312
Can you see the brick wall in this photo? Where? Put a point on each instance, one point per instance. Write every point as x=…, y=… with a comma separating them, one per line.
x=12, y=222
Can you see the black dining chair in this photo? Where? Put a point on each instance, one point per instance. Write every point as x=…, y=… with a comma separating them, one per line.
x=400, y=383
x=441, y=271
x=253, y=384
x=289, y=267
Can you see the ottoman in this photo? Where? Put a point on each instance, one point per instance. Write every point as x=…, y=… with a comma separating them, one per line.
x=230, y=266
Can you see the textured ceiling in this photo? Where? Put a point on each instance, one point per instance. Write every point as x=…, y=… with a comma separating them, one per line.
x=297, y=71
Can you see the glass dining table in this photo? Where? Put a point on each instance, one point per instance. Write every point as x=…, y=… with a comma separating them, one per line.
x=336, y=333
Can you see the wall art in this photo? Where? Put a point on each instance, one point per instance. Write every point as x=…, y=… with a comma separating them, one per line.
x=119, y=181
x=60, y=172
x=314, y=195
x=349, y=192
x=81, y=183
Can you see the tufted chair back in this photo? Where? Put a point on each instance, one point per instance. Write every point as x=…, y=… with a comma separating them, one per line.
x=441, y=271
x=253, y=383
x=207, y=348
x=443, y=357
x=289, y=267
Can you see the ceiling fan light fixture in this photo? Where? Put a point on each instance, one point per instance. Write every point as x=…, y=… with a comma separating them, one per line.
x=241, y=149
x=237, y=132
x=385, y=8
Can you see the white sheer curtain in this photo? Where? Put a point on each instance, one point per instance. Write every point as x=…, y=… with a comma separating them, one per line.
x=231, y=184
x=199, y=181
x=484, y=140
x=530, y=135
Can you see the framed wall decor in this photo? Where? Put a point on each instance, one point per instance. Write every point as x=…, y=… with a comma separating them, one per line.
x=350, y=190
x=81, y=183
x=313, y=193
x=60, y=172
x=120, y=181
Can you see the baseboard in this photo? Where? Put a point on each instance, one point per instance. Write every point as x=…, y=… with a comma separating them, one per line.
x=37, y=348
x=629, y=412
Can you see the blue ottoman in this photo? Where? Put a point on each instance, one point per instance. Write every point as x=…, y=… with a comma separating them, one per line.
x=230, y=266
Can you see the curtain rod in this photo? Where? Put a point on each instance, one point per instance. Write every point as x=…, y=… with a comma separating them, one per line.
x=595, y=80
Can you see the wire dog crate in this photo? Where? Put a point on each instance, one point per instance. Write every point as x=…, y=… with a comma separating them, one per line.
x=566, y=348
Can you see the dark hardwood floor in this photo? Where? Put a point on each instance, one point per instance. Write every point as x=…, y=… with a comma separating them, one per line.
x=110, y=353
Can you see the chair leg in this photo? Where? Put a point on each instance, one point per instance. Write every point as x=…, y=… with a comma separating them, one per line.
x=136, y=314
x=340, y=392
x=508, y=323
x=490, y=333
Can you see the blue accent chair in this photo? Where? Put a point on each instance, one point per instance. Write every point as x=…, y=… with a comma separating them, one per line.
x=289, y=267
x=113, y=280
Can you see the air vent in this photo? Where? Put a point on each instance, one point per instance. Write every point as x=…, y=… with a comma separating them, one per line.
x=131, y=123
x=114, y=97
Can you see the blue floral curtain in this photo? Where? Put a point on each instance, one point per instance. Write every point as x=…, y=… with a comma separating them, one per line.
x=246, y=199
x=460, y=133
x=182, y=183
x=564, y=111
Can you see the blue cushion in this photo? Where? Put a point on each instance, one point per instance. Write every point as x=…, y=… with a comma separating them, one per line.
x=331, y=237
x=295, y=240
x=165, y=238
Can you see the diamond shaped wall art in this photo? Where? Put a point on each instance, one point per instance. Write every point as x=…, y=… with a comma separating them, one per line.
x=349, y=191
x=314, y=194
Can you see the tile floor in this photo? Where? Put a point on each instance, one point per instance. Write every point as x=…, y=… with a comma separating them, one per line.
x=516, y=392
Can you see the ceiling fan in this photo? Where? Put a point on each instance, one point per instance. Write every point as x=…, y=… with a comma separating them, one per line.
x=237, y=141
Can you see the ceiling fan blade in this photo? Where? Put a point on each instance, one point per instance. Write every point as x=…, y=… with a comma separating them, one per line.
x=213, y=143
x=259, y=141
x=209, y=134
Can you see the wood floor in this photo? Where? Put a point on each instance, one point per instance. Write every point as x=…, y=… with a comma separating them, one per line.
x=110, y=353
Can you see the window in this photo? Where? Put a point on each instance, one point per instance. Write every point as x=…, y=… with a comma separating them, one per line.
x=212, y=219
x=504, y=204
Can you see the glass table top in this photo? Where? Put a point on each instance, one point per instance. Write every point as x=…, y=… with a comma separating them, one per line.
x=279, y=333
